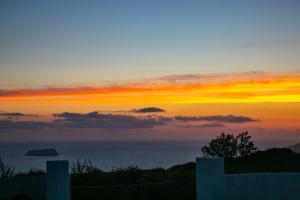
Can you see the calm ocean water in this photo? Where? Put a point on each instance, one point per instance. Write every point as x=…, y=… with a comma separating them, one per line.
x=105, y=155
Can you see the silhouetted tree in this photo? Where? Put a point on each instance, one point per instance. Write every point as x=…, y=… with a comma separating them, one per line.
x=224, y=145
x=245, y=144
x=229, y=146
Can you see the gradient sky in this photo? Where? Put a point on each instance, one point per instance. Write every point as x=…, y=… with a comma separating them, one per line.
x=208, y=60
x=87, y=42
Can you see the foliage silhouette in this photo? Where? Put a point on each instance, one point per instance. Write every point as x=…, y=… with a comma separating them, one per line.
x=85, y=167
x=177, y=182
x=245, y=146
x=31, y=172
x=6, y=171
x=230, y=146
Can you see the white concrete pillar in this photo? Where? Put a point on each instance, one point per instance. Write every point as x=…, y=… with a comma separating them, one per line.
x=210, y=178
x=58, y=180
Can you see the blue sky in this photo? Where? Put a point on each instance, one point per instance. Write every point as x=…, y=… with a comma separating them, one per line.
x=82, y=42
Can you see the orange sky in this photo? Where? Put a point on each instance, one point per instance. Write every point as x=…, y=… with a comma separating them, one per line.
x=220, y=88
x=274, y=99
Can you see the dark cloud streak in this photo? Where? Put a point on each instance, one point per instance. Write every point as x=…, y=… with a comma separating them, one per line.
x=117, y=121
x=148, y=110
x=216, y=118
x=9, y=124
x=109, y=121
x=17, y=114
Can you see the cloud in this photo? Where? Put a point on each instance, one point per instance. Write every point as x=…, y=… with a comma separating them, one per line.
x=9, y=124
x=208, y=125
x=16, y=114
x=190, y=88
x=118, y=121
x=109, y=121
x=208, y=78
x=77, y=116
x=216, y=118
x=148, y=110
x=89, y=120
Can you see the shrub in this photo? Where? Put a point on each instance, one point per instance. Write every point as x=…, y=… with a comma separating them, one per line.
x=85, y=167
x=6, y=171
x=31, y=172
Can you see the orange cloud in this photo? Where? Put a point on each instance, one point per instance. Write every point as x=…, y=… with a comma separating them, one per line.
x=180, y=89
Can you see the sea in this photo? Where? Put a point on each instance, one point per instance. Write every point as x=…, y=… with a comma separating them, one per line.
x=106, y=155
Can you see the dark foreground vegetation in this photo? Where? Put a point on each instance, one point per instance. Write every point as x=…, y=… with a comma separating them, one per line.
x=178, y=182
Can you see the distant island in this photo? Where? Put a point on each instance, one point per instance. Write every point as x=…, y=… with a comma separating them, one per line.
x=42, y=152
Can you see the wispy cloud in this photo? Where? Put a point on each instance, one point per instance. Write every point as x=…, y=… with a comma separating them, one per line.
x=207, y=125
x=216, y=118
x=17, y=114
x=173, y=89
x=32, y=125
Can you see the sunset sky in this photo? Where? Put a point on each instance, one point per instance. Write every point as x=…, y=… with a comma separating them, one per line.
x=135, y=69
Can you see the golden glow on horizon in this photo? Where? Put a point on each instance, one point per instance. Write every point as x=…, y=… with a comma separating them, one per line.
x=284, y=88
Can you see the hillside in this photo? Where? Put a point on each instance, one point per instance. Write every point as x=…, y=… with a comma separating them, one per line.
x=295, y=148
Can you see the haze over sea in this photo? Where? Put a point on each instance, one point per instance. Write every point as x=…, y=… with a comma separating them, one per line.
x=109, y=155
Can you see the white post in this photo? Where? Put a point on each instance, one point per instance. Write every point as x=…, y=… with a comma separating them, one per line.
x=58, y=180
x=210, y=178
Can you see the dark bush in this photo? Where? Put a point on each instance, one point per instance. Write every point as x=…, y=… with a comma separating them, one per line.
x=6, y=171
